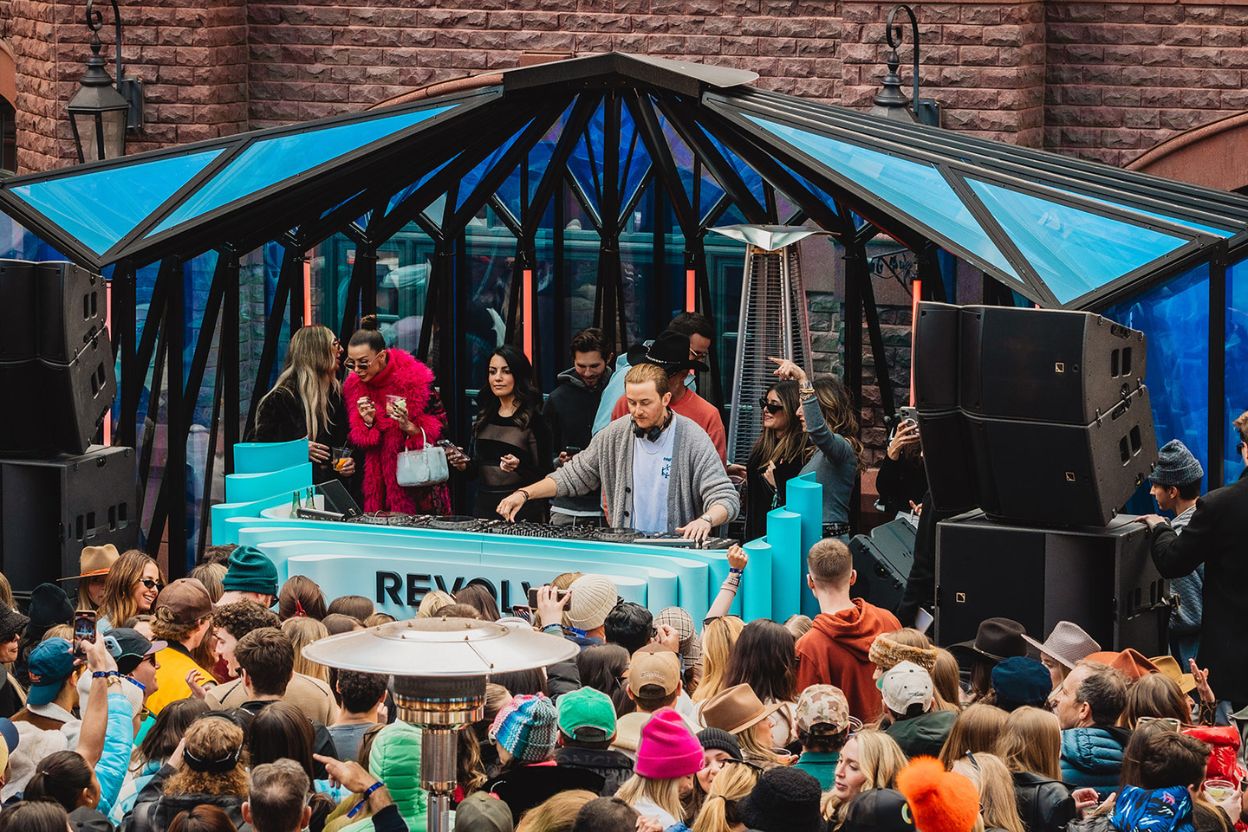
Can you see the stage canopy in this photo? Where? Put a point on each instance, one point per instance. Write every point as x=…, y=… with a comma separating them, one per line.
x=598, y=178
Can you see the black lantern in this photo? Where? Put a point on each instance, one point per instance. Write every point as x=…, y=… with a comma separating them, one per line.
x=890, y=101
x=99, y=114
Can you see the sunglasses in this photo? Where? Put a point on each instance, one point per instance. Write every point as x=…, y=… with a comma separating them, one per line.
x=770, y=407
x=356, y=365
x=150, y=584
x=1166, y=723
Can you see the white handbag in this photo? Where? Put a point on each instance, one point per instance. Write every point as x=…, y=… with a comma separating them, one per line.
x=424, y=467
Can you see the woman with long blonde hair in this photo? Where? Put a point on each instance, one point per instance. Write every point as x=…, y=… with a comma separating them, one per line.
x=302, y=632
x=306, y=403
x=1031, y=747
x=997, y=808
x=718, y=638
x=133, y=583
x=975, y=731
x=869, y=760
x=719, y=810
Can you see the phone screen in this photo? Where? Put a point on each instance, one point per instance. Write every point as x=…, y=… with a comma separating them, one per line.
x=560, y=594
x=84, y=626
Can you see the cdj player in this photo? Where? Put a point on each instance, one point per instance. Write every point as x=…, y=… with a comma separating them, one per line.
x=525, y=528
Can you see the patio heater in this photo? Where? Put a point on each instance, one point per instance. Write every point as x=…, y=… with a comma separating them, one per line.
x=773, y=322
x=440, y=667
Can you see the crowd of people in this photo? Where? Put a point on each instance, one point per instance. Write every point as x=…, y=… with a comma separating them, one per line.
x=193, y=709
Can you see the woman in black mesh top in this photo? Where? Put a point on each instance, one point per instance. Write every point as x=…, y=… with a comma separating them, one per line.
x=511, y=444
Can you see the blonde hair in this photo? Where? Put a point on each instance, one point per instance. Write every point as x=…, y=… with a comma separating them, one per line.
x=718, y=639
x=212, y=738
x=1032, y=741
x=434, y=600
x=6, y=592
x=880, y=758
x=662, y=793
x=212, y=576
x=718, y=812
x=641, y=373
x=975, y=731
x=311, y=371
x=799, y=625
x=998, y=806
x=302, y=632
x=557, y=813
x=64, y=631
x=947, y=680
x=118, y=605
x=753, y=749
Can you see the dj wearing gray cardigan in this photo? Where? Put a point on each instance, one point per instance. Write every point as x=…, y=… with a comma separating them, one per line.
x=658, y=471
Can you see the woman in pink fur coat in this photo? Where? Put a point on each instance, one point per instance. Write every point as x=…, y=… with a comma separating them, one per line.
x=381, y=430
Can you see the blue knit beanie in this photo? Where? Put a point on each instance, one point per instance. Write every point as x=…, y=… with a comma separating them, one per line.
x=526, y=727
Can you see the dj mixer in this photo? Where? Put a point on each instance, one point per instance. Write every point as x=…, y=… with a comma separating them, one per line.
x=527, y=528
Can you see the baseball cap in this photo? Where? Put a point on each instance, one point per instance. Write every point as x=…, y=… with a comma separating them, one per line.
x=186, y=600
x=822, y=710
x=586, y=714
x=654, y=672
x=51, y=663
x=879, y=810
x=130, y=647
x=905, y=684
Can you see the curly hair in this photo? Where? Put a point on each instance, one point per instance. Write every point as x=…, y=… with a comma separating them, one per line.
x=212, y=738
x=241, y=617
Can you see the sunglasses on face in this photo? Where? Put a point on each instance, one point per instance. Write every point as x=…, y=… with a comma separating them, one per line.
x=356, y=365
x=770, y=406
x=151, y=584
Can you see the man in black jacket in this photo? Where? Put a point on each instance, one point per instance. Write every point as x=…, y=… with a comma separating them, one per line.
x=1215, y=536
x=586, y=729
x=569, y=413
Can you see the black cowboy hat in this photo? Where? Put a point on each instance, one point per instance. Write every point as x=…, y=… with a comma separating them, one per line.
x=996, y=639
x=670, y=351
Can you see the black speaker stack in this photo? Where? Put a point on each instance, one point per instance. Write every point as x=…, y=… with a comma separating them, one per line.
x=58, y=492
x=1040, y=419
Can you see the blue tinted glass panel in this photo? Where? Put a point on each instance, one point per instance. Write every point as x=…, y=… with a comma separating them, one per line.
x=101, y=207
x=682, y=156
x=1175, y=319
x=269, y=161
x=584, y=162
x=474, y=176
x=509, y=193
x=1236, y=361
x=753, y=181
x=16, y=243
x=411, y=189
x=540, y=154
x=329, y=211
x=1074, y=251
x=1195, y=226
x=913, y=189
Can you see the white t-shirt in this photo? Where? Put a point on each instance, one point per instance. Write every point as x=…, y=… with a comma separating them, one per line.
x=652, y=471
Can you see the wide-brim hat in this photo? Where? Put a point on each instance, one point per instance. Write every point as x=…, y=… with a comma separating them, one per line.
x=1169, y=666
x=1068, y=644
x=1130, y=662
x=995, y=640
x=670, y=351
x=94, y=562
x=736, y=709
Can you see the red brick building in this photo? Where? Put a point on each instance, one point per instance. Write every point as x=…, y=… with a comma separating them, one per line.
x=1105, y=80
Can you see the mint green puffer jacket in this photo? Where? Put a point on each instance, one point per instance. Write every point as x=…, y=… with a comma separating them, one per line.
x=395, y=760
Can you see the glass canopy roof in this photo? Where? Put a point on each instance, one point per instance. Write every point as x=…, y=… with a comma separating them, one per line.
x=1058, y=231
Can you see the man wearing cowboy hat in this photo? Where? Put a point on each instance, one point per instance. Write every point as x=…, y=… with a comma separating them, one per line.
x=658, y=471
x=672, y=352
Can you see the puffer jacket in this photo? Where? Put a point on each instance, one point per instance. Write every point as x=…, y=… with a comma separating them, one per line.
x=1044, y=805
x=923, y=735
x=1092, y=757
x=395, y=760
x=156, y=816
x=118, y=744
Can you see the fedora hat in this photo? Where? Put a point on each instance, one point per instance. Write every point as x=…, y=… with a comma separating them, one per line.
x=1068, y=644
x=1169, y=666
x=95, y=561
x=670, y=351
x=996, y=639
x=736, y=709
x=1129, y=661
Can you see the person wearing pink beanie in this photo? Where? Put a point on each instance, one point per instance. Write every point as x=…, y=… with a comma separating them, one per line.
x=668, y=757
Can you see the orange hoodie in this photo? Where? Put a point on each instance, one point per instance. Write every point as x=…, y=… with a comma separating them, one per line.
x=835, y=650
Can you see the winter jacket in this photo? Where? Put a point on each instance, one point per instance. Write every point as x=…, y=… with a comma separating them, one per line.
x=613, y=767
x=381, y=443
x=1153, y=810
x=41, y=730
x=130, y=789
x=1215, y=537
x=522, y=787
x=110, y=771
x=1093, y=757
x=84, y=819
x=280, y=418
x=569, y=413
x=395, y=760
x=1224, y=742
x=923, y=734
x=835, y=650
x=156, y=815
x=1044, y=805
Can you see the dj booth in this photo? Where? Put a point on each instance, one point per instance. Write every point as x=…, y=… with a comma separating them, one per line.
x=396, y=559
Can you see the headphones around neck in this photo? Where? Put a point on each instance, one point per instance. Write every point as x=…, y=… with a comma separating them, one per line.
x=653, y=432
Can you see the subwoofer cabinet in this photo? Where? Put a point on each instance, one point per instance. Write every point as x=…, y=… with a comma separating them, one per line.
x=1103, y=579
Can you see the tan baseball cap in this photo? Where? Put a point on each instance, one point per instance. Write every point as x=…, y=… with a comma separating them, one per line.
x=654, y=672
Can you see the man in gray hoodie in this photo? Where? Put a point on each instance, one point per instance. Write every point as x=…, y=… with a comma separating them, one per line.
x=569, y=413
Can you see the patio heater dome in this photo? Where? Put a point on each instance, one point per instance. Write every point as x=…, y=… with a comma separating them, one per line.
x=440, y=667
